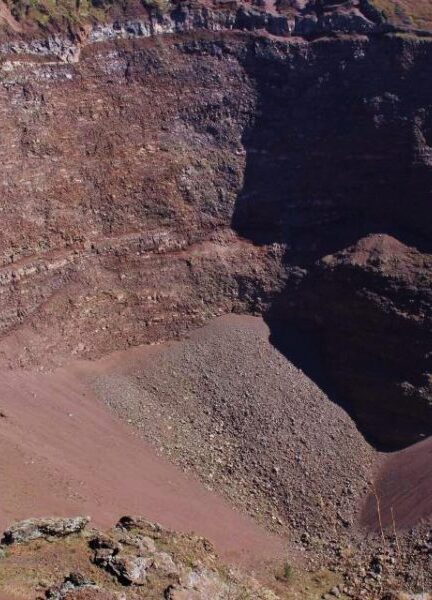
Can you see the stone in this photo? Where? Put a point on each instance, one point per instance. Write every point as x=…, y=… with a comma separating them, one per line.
x=132, y=570
x=104, y=542
x=75, y=581
x=147, y=544
x=103, y=556
x=129, y=523
x=164, y=564
x=179, y=593
x=32, y=529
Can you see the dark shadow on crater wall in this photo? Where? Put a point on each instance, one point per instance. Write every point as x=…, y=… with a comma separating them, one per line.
x=334, y=152
x=334, y=155
x=304, y=348
x=336, y=149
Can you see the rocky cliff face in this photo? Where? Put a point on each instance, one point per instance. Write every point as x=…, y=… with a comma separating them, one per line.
x=120, y=178
x=165, y=167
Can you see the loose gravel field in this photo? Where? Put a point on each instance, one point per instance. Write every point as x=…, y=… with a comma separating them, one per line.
x=225, y=404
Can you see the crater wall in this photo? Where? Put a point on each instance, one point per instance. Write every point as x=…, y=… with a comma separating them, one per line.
x=155, y=182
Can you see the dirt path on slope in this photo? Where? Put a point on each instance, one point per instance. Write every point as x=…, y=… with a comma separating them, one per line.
x=64, y=453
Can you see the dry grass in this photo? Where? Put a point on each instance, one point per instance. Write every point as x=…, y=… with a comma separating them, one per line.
x=378, y=507
x=408, y=13
x=71, y=12
x=43, y=12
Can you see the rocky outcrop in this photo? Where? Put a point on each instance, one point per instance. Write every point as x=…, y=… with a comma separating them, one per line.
x=74, y=584
x=53, y=46
x=147, y=561
x=33, y=529
x=134, y=570
x=187, y=17
x=308, y=20
x=151, y=226
x=319, y=181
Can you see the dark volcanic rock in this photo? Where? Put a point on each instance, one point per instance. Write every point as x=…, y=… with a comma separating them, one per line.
x=74, y=582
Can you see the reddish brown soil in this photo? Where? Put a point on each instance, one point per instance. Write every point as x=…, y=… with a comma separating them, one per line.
x=64, y=453
x=404, y=485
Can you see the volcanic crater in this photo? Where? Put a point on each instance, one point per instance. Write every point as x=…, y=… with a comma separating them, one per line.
x=215, y=228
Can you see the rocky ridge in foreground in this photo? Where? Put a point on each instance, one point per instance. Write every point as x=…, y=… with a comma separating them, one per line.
x=138, y=559
x=58, y=558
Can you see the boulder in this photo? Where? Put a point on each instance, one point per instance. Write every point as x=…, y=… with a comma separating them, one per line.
x=33, y=529
x=75, y=581
x=129, y=522
x=131, y=570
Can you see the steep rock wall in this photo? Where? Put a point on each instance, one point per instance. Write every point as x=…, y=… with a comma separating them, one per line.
x=120, y=174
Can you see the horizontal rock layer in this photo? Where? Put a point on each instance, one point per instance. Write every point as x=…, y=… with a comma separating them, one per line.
x=284, y=18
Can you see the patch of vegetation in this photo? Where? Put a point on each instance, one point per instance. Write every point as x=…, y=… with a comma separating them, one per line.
x=286, y=573
x=408, y=13
x=44, y=12
x=72, y=13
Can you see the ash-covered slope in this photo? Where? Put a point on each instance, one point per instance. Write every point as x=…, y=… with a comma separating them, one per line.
x=64, y=453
